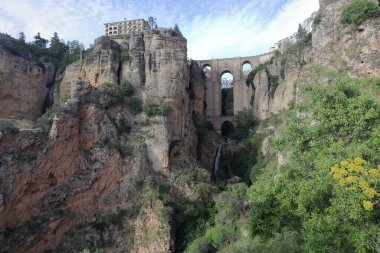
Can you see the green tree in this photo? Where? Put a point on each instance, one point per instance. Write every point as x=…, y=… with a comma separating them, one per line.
x=301, y=33
x=74, y=47
x=176, y=28
x=358, y=11
x=57, y=47
x=39, y=41
x=22, y=37
x=152, y=22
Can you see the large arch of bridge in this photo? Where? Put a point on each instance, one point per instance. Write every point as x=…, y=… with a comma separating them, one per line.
x=226, y=80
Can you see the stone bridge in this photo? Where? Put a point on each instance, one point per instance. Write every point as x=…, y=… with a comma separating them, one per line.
x=214, y=70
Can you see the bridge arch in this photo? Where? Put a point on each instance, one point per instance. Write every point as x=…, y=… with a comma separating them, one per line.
x=227, y=93
x=226, y=128
x=246, y=67
x=206, y=68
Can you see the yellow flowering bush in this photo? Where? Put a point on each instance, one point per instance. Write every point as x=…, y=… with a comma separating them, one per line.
x=368, y=205
x=355, y=175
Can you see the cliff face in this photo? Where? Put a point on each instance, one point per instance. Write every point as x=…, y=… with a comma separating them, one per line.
x=155, y=63
x=24, y=84
x=340, y=44
x=333, y=44
x=272, y=93
x=100, y=150
x=99, y=67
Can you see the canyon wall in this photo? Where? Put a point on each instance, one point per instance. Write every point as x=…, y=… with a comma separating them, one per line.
x=24, y=85
x=101, y=146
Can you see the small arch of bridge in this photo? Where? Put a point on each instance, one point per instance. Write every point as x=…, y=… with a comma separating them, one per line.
x=246, y=66
x=226, y=128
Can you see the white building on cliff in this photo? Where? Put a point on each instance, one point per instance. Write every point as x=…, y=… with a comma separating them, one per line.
x=125, y=27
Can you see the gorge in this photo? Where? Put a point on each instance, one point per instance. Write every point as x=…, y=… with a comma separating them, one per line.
x=127, y=157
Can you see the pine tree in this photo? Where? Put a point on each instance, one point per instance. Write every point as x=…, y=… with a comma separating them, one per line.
x=39, y=41
x=57, y=47
x=22, y=37
x=176, y=28
x=152, y=22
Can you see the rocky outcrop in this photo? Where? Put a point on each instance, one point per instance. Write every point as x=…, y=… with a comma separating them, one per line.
x=98, y=67
x=334, y=44
x=197, y=90
x=166, y=83
x=80, y=169
x=272, y=93
x=99, y=148
x=24, y=84
x=343, y=45
x=152, y=232
x=155, y=63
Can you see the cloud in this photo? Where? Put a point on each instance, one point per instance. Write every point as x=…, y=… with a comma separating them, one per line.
x=223, y=28
x=243, y=34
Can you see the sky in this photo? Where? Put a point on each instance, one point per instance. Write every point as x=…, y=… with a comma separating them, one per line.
x=213, y=28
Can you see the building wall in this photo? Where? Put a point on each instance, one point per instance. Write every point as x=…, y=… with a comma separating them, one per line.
x=125, y=27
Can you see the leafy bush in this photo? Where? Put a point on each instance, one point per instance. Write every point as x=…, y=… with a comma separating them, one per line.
x=124, y=126
x=358, y=11
x=119, y=92
x=46, y=119
x=282, y=68
x=21, y=48
x=273, y=84
x=229, y=206
x=153, y=109
x=245, y=120
x=59, y=53
x=193, y=217
x=126, y=88
x=308, y=39
x=317, y=20
x=229, y=94
x=135, y=105
x=124, y=55
x=241, y=162
x=7, y=126
x=144, y=122
x=191, y=220
x=252, y=74
x=204, y=127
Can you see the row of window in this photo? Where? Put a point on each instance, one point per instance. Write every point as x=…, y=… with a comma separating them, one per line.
x=126, y=22
x=121, y=31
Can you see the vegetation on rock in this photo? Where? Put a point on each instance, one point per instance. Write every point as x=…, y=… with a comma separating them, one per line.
x=61, y=53
x=252, y=74
x=358, y=11
x=154, y=109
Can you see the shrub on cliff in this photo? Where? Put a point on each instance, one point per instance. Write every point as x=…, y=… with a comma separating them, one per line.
x=135, y=105
x=118, y=91
x=46, y=119
x=252, y=74
x=124, y=55
x=358, y=11
x=153, y=109
x=7, y=126
x=245, y=120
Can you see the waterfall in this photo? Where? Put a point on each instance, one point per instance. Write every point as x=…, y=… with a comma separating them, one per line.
x=218, y=160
